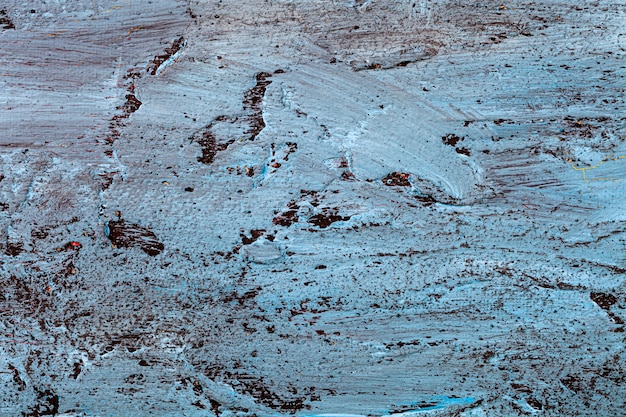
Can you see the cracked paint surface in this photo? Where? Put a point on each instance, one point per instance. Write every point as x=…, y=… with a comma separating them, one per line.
x=364, y=208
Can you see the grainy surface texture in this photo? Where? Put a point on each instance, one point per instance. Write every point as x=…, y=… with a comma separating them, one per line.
x=253, y=208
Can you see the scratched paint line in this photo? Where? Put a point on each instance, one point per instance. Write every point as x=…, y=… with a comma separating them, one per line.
x=585, y=169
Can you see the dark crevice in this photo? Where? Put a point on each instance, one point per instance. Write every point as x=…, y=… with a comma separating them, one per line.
x=130, y=106
x=14, y=248
x=17, y=380
x=208, y=145
x=125, y=235
x=463, y=151
x=158, y=60
x=287, y=217
x=326, y=218
x=322, y=217
x=255, y=234
x=257, y=388
x=603, y=300
x=132, y=103
x=250, y=124
x=5, y=20
x=47, y=405
x=252, y=102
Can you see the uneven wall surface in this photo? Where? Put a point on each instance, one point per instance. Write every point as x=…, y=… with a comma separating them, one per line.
x=251, y=208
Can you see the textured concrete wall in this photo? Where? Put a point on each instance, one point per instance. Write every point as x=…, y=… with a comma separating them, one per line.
x=220, y=208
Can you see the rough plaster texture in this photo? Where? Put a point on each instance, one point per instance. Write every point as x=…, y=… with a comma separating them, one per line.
x=245, y=208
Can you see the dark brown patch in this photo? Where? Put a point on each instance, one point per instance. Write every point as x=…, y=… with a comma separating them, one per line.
x=160, y=59
x=14, y=248
x=463, y=151
x=398, y=179
x=208, y=144
x=253, y=97
x=604, y=300
x=131, y=105
x=242, y=299
x=5, y=21
x=215, y=407
x=291, y=148
x=580, y=127
x=199, y=405
x=521, y=388
x=77, y=370
x=399, y=344
x=572, y=382
x=255, y=235
x=451, y=139
x=47, y=405
x=533, y=403
x=414, y=407
x=21, y=297
x=252, y=122
x=107, y=179
x=287, y=217
x=326, y=218
x=17, y=380
x=348, y=176
x=125, y=235
x=252, y=101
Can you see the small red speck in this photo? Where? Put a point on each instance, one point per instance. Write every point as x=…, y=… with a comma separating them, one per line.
x=75, y=245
